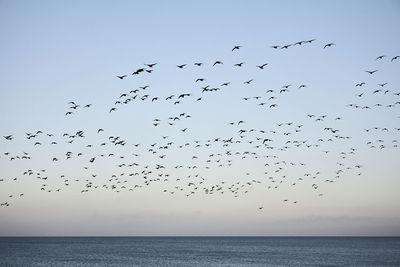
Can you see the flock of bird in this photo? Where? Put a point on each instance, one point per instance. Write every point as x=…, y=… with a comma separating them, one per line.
x=193, y=168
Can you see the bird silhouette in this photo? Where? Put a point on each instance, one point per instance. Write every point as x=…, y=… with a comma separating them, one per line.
x=236, y=47
x=262, y=66
x=329, y=45
x=371, y=72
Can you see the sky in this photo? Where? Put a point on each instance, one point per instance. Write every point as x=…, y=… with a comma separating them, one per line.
x=318, y=163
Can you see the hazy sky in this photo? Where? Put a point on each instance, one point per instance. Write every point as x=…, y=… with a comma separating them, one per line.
x=339, y=176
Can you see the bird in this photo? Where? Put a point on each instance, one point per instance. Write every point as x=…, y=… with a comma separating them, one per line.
x=122, y=77
x=329, y=45
x=262, y=66
x=151, y=65
x=217, y=62
x=371, y=72
x=138, y=71
x=236, y=47
x=181, y=66
x=8, y=137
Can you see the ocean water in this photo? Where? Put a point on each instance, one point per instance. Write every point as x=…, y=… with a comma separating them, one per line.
x=199, y=251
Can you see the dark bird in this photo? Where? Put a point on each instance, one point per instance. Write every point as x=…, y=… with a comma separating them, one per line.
x=371, y=72
x=380, y=57
x=181, y=66
x=329, y=45
x=151, y=65
x=217, y=62
x=122, y=77
x=299, y=43
x=183, y=95
x=8, y=137
x=262, y=66
x=236, y=47
x=138, y=71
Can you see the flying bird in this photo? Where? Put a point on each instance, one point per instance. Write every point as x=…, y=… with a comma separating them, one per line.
x=262, y=66
x=329, y=45
x=371, y=72
x=217, y=62
x=236, y=47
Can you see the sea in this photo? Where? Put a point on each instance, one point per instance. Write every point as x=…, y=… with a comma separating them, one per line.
x=199, y=251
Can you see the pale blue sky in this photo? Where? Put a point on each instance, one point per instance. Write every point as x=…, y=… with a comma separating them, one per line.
x=54, y=52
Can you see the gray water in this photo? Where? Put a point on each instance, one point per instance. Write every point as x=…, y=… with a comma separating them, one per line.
x=199, y=251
